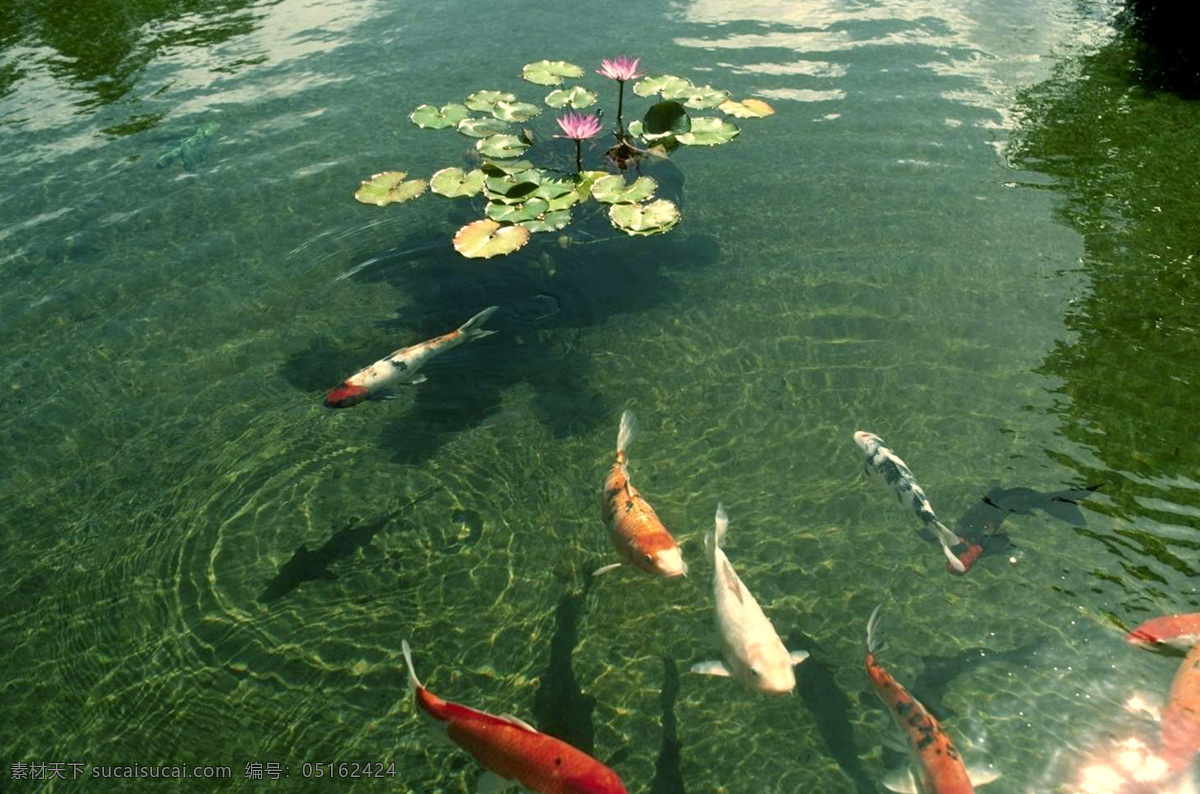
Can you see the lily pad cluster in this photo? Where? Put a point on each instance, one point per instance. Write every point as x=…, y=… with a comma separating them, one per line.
x=519, y=198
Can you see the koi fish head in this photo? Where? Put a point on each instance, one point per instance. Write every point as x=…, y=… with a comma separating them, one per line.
x=867, y=442
x=666, y=561
x=346, y=395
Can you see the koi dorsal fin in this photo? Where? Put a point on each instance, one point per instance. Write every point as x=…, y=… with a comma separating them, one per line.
x=732, y=582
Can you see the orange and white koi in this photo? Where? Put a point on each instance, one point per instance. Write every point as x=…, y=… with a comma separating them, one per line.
x=400, y=367
x=638, y=534
x=938, y=766
x=1179, y=726
x=884, y=465
x=513, y=752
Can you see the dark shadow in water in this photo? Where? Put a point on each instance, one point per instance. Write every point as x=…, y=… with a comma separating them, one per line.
x=307, y=566
x=1167, y=57
x=831, y=708
x=938, y=672
x=668, y=772
x=560, y=707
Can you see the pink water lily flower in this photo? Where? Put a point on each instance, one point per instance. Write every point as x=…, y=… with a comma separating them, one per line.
x=578, y=126
x=621, y=68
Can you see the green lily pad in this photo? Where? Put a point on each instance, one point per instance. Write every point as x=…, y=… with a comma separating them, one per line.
x=613, y=190
x=666, y=84
x=698, y=96
x=499, y=169
x=428, y=117
x=515, y=111
x=509, y=189
x=665, y=118
x=512, y=213
x=709, y=132
x=501, y=146
x=453, y=183
x=575, y=96
x=747, y=108
x=484, y=239
x=486, y=100
x=644, y=219
x=550, y=72
x=584, y=181
x=560, y=194
x=481, y=128
x=551, y=221
x=389, y=187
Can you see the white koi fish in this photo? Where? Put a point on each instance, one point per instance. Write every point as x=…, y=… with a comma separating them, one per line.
x=751, y=650
x=886, y=467
x=401, y=366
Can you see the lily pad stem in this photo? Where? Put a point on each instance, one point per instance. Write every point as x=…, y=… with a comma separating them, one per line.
x=620, y=107
x=578, y=155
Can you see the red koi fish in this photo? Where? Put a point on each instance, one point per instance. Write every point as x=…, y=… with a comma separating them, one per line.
x=512, y=752
x=637, y=532
x=1180, y=631
x=939, y=767
x=1179, y=731
x=400, y=367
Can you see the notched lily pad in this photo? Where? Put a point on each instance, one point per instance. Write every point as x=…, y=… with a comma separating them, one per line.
x=428, y=117
x=643, y=220
x=560, y=194
x=550, y=72
x=584, y=181
x=453, y=183
x=613, y=190
x=668, y=83
x=501, y=146
x=484, y=239
x=513, y=213
x=481, y=128
x=499, y=169
x=709, y=132
x=552, y=221
x=665, y=118
x=747, y=108
x=698, y=96
x=511, y=189
x=389, y=187
x=515, y=111
x=486, y=100
x=575, y=97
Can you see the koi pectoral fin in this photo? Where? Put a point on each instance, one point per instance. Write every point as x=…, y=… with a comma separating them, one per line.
x=416, y=380
x=982, y=775
x=901, y=780
x=490, y=783
x=606, y=569
x=798, y=656
x=711, y=668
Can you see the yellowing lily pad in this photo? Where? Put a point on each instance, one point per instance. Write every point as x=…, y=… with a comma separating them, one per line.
x=709, y=131
x=481, y=128
x=484, y=239
x=575, y=96
x=515, y=111
x=453, y=183
x=501, y=146
x=643, y=220
x=550, y=72
x=667, y=84
x=612, y=189
x=486, y=100
x=747, y=108
x=429, y=117
x=389, y=187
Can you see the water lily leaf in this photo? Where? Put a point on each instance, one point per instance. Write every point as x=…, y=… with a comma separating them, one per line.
x=613, y=190
x=584, y=181
x=512, y=213
x=666, y=84
x=665, y=118
x=389, y=187
x=515, y=111
x=550, y=72
x=747, y=108
x=511, y=189
x=453, y=183
x=644, y=219
x=486, y=100
x=499, y=169
x=710, y=132
x=481, y=128
x=560, y=194
x=501, y=146
x=698, y=96
x=484, y=239
x=575, y=96
x=428, y=117
x=552, y=221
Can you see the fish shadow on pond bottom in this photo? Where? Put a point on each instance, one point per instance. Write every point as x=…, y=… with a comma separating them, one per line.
x=560, y=707
x=668, y=772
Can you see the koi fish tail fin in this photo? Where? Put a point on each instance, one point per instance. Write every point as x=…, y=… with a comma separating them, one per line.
x=471, y=331
x=714, y=539
x=413, y=683
x=625, y=434
x=874, y=646
x=948, y=539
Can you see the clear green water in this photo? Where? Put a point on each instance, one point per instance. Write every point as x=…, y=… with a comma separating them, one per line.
x=965, y=230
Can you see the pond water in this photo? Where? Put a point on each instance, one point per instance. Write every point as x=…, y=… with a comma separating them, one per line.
x=966, y=228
